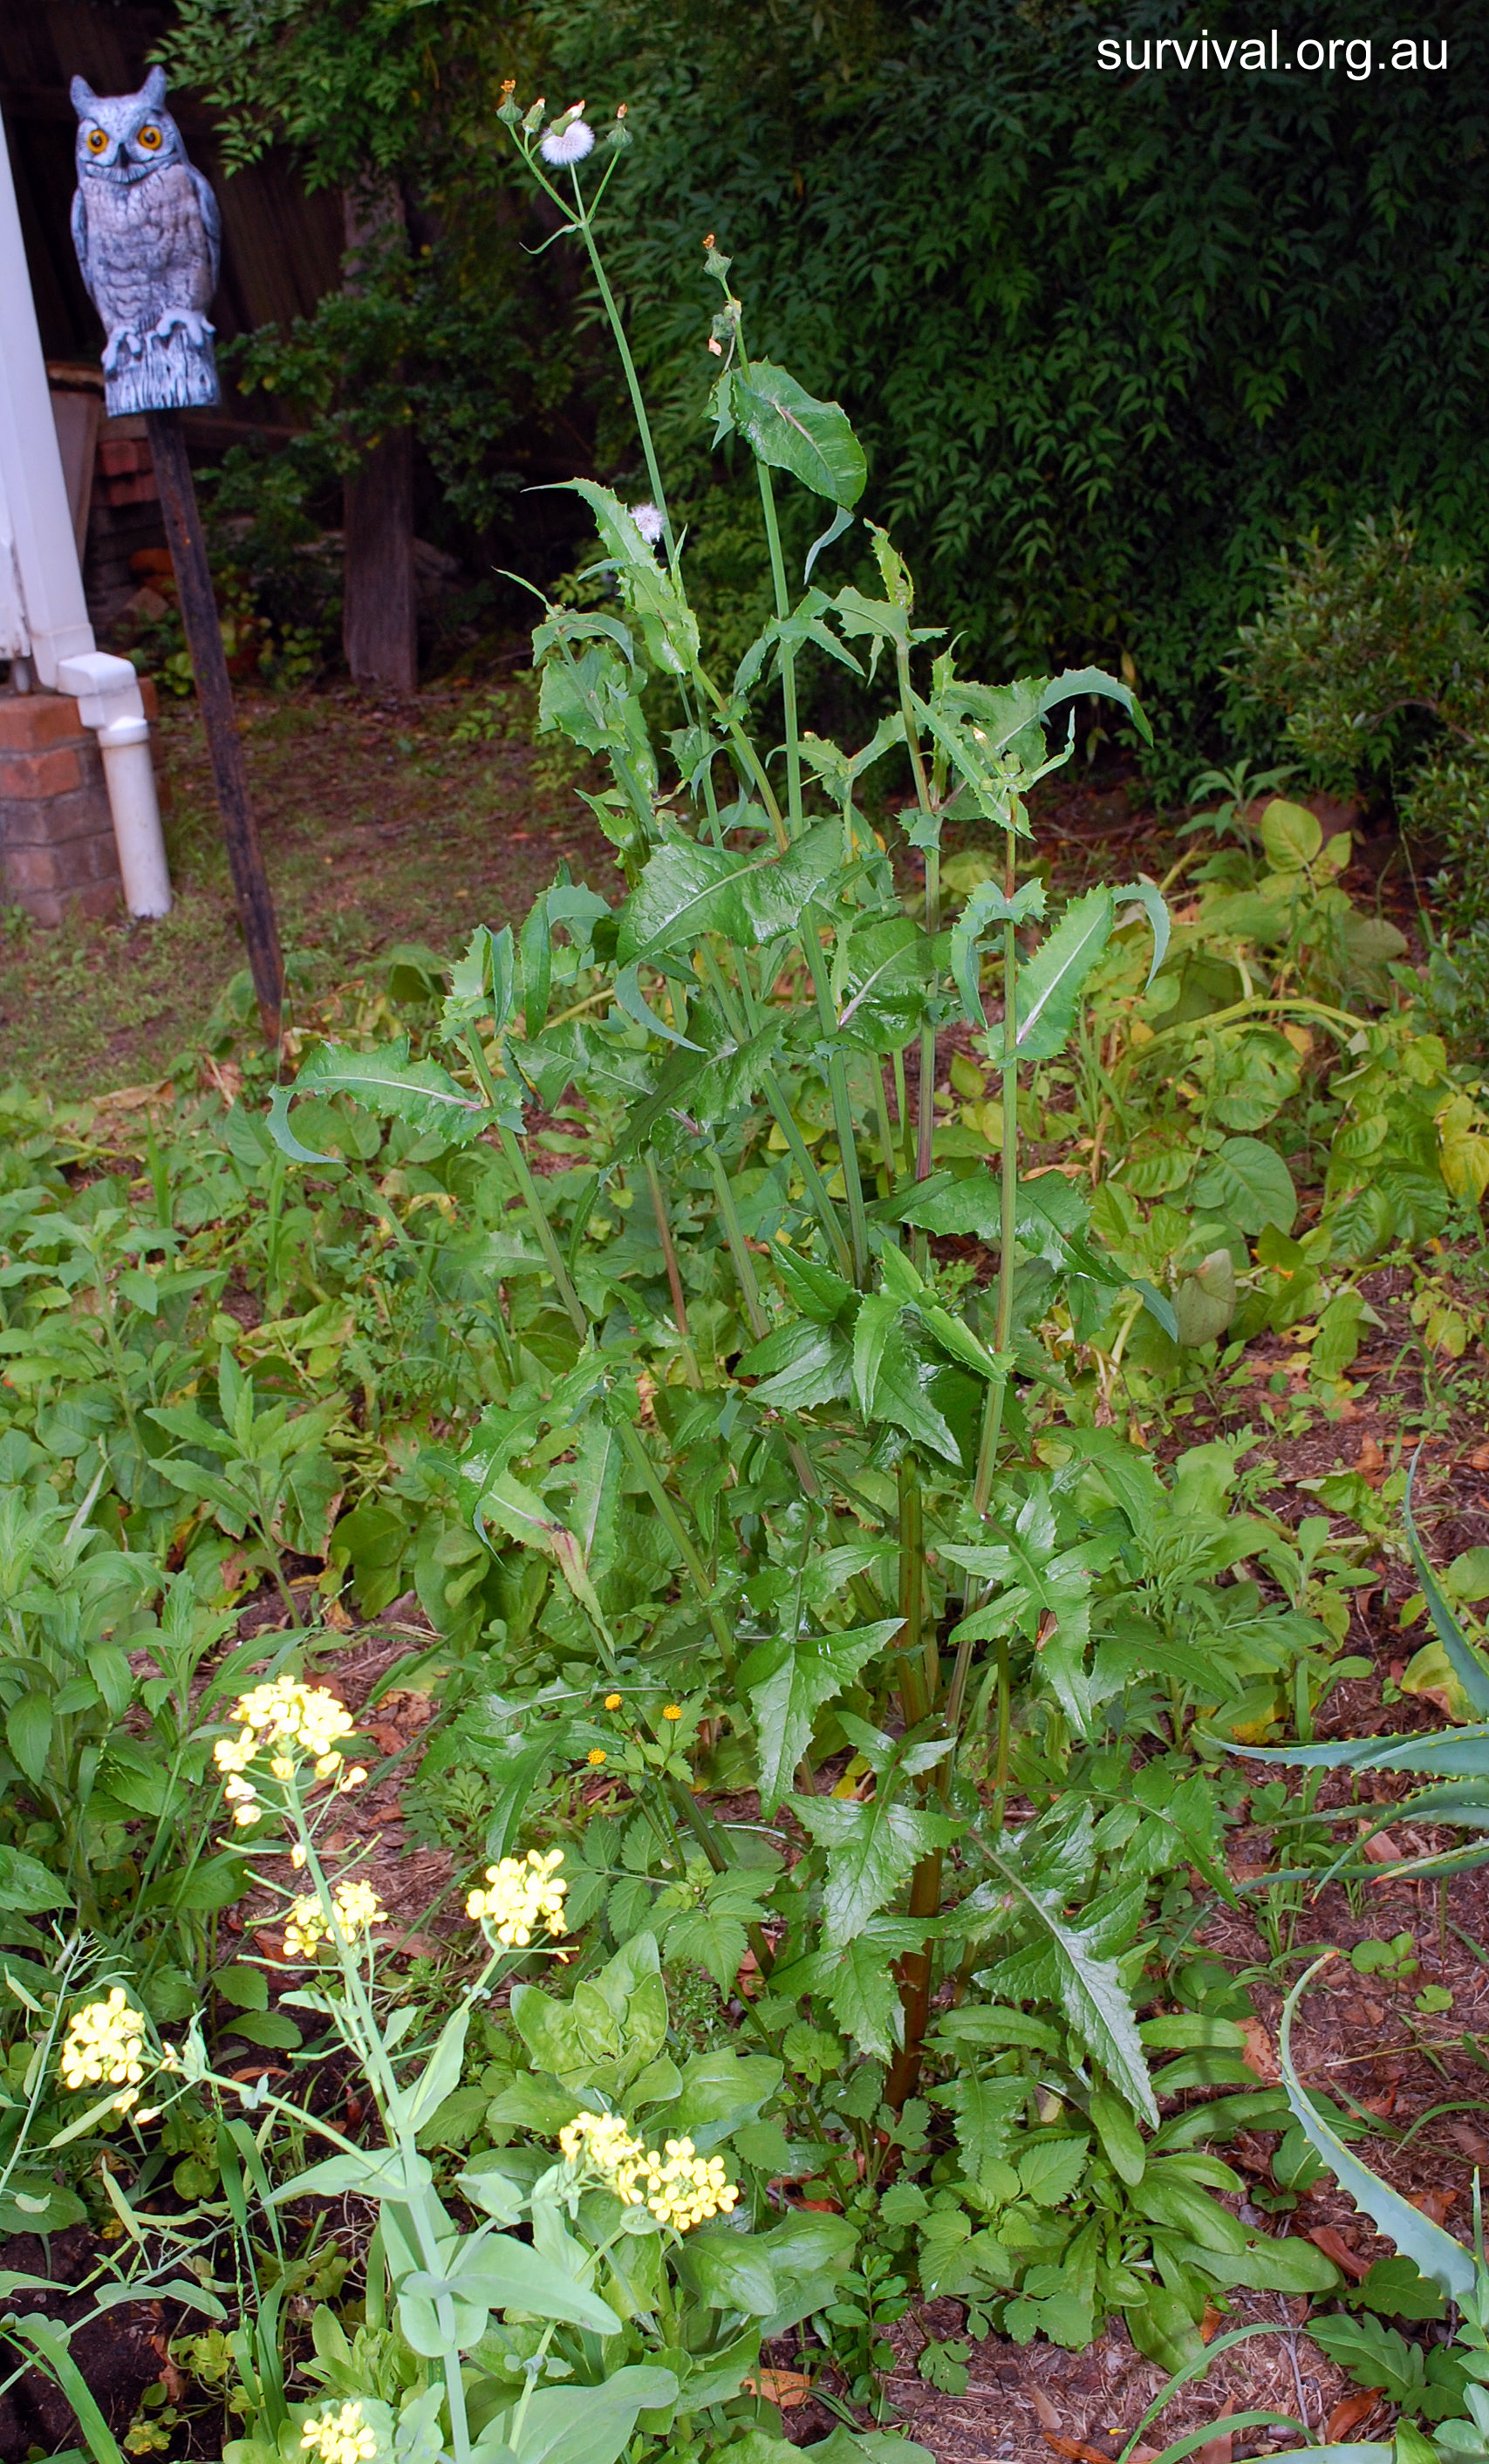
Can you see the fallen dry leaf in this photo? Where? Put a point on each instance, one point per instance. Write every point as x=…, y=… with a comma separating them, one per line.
x=1370, y=1460
x=1209, y=2322
x=1382, y=1850
x=786, y=2388
x=1473, y=2144
x=1217, y=2450
x=1479, y=1459
x=1433, y=2205
x=1348, y=2413
x=1045, y=2413
x=1076, y=2449
x=1331, y=2242
x=1258, y=2056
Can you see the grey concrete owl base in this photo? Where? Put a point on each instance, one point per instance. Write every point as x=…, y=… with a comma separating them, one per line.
x=173, y=372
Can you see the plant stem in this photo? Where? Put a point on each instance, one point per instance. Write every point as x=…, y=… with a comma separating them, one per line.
x=1007, y=1257
x=787, y=651
x=673, y=1273
x=926, y=1092
x=815, y=1185
x=702, y=1580
x=848, y=1149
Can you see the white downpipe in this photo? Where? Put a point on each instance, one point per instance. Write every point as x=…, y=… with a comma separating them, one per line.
x=129, y=774
x=109, y=701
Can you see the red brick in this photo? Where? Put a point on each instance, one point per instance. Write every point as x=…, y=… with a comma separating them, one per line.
x=139, y=489
x=150, y=698
x=33, y=722
x=48, y=820
x=120, y=454
x=24, y=776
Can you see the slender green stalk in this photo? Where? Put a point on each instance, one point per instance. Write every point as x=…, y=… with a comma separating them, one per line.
x=816, y=1187
x=886, y=1153
x=926, y=1093
x=788, y=656
x=537, y=1216
x=702, y=1578
x=738, y=1248
x=847, y=1148
x=1007, y=1258
x=673, y=1273
x=632, y=386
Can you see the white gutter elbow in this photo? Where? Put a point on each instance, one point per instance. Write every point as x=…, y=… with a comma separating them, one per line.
x=109, y=701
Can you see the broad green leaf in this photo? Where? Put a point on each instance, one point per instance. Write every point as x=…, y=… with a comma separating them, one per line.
x=791, y=429
x=27, y=1886
x=1434, y=2253
x=1091, y=1993
x=668, y=626
x=1247, y=1185
x=787, y=1683
x=989, y=904
x=504, y=2274
x=1095, y=680
x=799, y=1365
x=1292, y=836
x=27, y=1732
x=1050, y=982
x=586, y=2424
x=385, y=1082
x=871, y=1850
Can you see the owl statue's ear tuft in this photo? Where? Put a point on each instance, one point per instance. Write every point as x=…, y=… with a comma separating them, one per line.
x=83, y=96
x=154, y=88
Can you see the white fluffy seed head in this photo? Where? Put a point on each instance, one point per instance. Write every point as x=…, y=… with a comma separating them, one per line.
x=568, y=144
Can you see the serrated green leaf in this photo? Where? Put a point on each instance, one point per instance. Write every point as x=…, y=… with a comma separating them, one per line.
x=871, y=1850
x=786, y=1683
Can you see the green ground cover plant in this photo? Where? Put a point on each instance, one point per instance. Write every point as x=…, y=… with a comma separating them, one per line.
x=731, y=1310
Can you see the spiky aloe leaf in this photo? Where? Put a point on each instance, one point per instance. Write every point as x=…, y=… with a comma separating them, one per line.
x=1434, y=2253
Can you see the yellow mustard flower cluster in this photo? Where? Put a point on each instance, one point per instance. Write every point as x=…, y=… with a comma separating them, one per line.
x=341, y=2438
x=102, y=2047
x=680, y=2188
x=520, y=1891
x=598, y=2148
x=294, y=1722
x=687, y=2189
x=356, y=1908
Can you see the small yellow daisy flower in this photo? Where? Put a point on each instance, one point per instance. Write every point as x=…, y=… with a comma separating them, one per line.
x=671, y=1710
x=612, y=1702
x=597, y=1755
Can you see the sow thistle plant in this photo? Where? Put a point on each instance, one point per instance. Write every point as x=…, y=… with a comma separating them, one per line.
x=815, y=1494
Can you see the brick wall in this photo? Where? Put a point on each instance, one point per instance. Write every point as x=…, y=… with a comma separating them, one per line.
x=57, y=838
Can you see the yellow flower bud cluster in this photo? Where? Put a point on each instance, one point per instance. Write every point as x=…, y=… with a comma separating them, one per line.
x=102, y=2047
x=599, y=2152
x=296, y=1721
x=341, y=2437
x=685, y=2189
x=520, y=1891
x=357, y=1909
x=680, y=2188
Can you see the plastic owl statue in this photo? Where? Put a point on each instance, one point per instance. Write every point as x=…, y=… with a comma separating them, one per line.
x=148, y=238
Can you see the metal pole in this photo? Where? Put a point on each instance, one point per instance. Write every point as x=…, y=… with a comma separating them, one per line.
x=214, y=692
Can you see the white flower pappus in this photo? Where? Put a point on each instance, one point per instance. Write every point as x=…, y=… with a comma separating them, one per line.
x=568, y=144
x=648, y=521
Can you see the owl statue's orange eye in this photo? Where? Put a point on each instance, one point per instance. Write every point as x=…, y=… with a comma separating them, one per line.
x=150, y=138
x=96, y=141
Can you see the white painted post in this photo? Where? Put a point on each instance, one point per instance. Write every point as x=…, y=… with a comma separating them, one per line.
x=31, y=466
x=43, y=614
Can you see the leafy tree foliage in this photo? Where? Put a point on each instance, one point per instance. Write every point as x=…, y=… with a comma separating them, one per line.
x=1109, y=339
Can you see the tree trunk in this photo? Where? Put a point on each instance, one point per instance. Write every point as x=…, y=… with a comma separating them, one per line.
x=378, y=622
